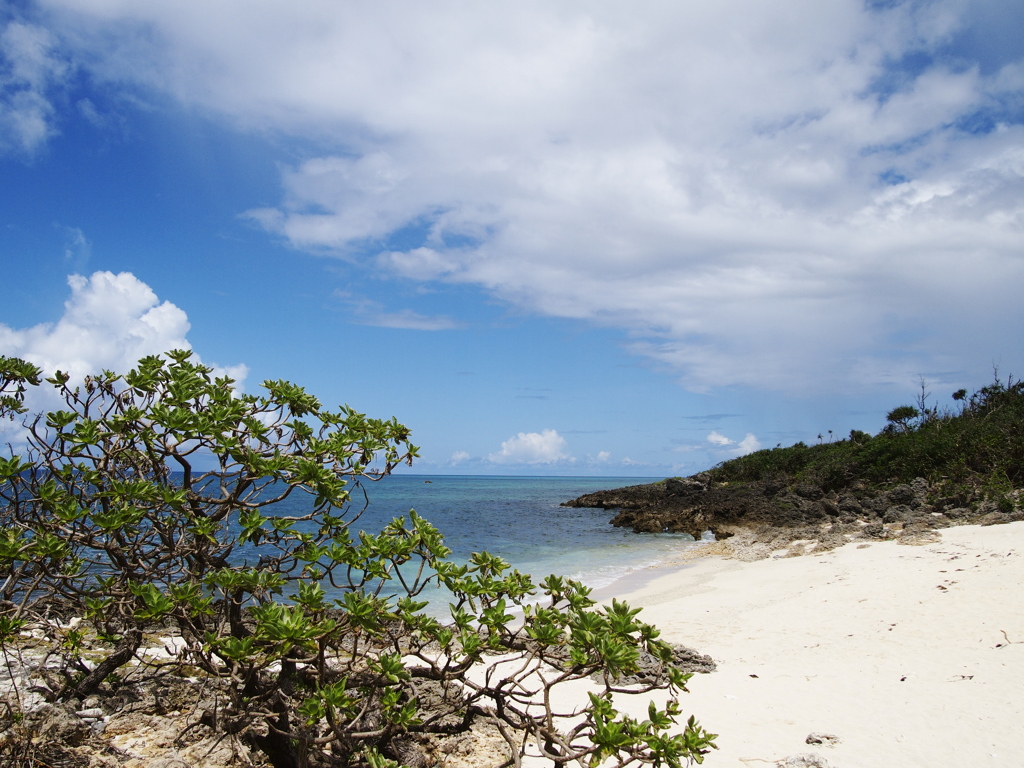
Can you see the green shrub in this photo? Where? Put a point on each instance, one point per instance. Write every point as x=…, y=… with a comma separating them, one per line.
x=129, y=508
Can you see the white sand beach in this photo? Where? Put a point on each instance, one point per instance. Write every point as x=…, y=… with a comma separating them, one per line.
x=910, y=655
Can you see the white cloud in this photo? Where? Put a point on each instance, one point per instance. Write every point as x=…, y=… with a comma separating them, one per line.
x=757, y=193
x=369, y=312
x=544, y=447
x=110, y=322
x=458, y=457
x=716, y=439
x=603, y=456
x=748, y=444
x=29, y=70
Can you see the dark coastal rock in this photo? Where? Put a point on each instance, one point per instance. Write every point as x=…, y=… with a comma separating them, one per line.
x=675, y=486
x=773, y=512
x=874, y=531
x=694, y=506
x=918, y=533
x=897, y=514
x=809, y=491
x=901, y=494
x=920, y=486
x=957, y=513
x=691, y=661
x=830, y=540
x=998, y=518
x=850, y=504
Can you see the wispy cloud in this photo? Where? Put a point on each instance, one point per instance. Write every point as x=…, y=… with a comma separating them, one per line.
x=30, y=71
x=77, y=247
x=531, y=393
x=369, y=312
x=711, y=417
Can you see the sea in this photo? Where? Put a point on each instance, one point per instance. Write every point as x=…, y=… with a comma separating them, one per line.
x=520, y=519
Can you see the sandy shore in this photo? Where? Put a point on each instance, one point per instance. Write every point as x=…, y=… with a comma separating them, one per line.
x=910, y=655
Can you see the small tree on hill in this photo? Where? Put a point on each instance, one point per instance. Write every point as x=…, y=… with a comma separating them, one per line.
x=155, y=499
x=901, y=418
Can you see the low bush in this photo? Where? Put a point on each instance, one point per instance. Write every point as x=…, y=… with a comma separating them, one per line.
x=153, y=499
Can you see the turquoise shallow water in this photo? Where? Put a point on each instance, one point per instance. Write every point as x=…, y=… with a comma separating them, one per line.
x=519, y=519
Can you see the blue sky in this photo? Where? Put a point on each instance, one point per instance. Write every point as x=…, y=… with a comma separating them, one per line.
x=551, y=237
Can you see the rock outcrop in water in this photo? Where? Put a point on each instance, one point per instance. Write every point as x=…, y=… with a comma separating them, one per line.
x=930, y=467
x=773, y=515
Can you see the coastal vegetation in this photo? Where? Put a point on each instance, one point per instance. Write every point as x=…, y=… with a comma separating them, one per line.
x=928, y=468
x=970, y=452
x=146, y=512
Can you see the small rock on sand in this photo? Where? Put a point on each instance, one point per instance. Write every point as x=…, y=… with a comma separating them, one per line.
x=807, y=760
x=826, y=739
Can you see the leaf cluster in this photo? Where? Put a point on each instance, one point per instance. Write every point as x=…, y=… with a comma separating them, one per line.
x=15, y=376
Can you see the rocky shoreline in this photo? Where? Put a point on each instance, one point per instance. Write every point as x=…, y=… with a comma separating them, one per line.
x=756, y=519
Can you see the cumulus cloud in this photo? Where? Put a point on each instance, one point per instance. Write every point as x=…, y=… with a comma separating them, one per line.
x=110, y=322
x=544, y=447
x=748, y=444
x=763, y=194
x=458, y=457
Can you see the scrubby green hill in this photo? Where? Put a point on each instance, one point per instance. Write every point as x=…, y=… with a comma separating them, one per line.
x=973, y=452
x=928, y=468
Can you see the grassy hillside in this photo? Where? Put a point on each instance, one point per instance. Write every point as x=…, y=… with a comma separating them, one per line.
x=971, y=452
